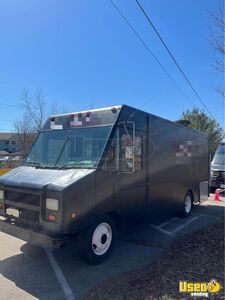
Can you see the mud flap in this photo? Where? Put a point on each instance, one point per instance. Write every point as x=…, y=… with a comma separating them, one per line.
x=204, y=191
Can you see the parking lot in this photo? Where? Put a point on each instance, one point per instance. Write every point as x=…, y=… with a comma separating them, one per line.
x=30, y=272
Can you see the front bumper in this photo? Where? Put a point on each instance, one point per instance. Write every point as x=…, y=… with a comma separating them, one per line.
x=34, y=237
x=216, y=184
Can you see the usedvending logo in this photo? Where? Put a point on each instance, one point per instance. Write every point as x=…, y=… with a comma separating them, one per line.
x=201, y=289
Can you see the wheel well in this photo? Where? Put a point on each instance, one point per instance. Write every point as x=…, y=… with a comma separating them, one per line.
x=115, y=217
x=192, y=195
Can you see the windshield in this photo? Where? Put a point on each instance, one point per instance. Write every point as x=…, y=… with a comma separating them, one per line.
x=76, y=148
x=219, y=157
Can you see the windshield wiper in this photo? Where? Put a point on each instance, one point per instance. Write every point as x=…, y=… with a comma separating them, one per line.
x=34, y=163
x=77, y=164
x=62, y=149
x=68, y=164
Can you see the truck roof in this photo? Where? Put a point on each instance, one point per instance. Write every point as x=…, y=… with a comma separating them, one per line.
x=87, y=111
x=174, y=122
x=118, y=108
x=87, y=118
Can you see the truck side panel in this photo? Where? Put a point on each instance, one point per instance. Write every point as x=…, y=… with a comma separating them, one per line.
x=178, y=162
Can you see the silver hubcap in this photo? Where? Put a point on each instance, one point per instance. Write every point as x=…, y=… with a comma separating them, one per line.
x=102, y=238
x=188, y=204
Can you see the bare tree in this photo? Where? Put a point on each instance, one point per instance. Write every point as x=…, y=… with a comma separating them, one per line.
x=24, y=134
x=34, y=106
x=35, y=110
x=218, y=42
x=34, y=113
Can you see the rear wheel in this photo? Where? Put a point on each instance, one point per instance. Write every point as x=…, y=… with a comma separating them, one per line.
x=97, y=241
x=187, y=205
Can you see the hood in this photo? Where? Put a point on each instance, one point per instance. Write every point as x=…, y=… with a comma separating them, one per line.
x=30, y=177
x=218, y=167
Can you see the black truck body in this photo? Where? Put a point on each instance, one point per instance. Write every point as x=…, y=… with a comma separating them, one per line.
x=119, y=162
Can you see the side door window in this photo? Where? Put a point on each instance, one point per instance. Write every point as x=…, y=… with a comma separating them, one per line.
x=111, y=159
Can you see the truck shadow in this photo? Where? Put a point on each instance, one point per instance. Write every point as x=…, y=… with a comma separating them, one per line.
x=31, y=272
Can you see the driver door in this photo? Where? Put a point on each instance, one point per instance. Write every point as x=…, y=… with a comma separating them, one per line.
x=130, y=186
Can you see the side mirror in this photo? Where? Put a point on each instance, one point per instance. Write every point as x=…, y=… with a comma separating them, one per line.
x=128, y=149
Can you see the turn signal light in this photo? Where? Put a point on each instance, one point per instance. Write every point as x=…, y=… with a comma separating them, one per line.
x=73, y=215
x=52, y=218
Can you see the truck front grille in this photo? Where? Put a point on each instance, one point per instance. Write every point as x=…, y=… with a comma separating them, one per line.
x=219, y=174
x=23, y=207
x=25, y=198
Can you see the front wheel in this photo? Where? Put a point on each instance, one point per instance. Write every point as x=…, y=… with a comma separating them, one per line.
x=187, y=205
x=97, y=241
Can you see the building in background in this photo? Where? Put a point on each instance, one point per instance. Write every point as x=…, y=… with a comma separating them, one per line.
x=9, y=142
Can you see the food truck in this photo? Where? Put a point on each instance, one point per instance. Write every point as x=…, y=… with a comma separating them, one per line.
x=91, y=173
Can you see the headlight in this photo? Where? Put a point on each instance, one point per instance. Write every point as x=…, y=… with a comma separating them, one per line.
x=1, y=195
x=52, y=204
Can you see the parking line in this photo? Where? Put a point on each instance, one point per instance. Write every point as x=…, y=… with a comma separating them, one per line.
x=62, y=280
x=162, y=230
x=172, y=232
x=206, y=215
x=184, y=225
x=168, y=222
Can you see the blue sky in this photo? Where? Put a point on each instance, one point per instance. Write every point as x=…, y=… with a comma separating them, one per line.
x=82, y=54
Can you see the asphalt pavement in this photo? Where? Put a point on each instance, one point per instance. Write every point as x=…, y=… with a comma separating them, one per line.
x=30, y=272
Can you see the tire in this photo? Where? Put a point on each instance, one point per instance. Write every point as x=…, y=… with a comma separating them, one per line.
x=187, y=205
x=96, y=243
